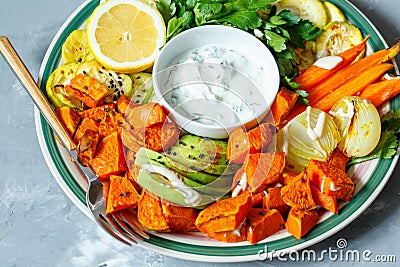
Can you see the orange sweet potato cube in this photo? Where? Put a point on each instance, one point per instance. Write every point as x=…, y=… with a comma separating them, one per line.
x=238, y=146
x=288, y=177
x=86, y=147
x=333, y=181
x=338, y=159
x=324, y=201
x=146, y=115
x=86, y=124
x=121, y=194
x=157, y=137
x=109, y=158
x=150, y=213
x=124, y=103
x=237, y=235
x=263, y=169
x=273, y=200
x=224, y=215
x=300, y=222
x=298, y=194
x=283, y=104
x=97, y=113
x=259, y=137
x=87, y=89
x=111, y=122
x=263, y=223
x=179, y=219
x=257, y=199
x=69, y=118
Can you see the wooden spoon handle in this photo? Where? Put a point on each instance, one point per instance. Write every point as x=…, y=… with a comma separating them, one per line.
x=33, y=90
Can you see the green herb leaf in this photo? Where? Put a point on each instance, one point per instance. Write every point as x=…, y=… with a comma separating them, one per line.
x=275, y=41
x=293, y=86
x=166, y=8
x=174, y=26
x=290, y=18
x=243, y=20
x=304, y=30
x=277, y=20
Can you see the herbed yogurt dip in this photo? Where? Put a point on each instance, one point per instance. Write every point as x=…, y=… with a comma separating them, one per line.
x=215, y=85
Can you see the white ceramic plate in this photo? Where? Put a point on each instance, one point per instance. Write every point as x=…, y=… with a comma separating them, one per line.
x=370, y=177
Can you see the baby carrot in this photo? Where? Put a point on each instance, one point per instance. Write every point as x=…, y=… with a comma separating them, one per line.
x=353, y=86
x=381, y=92
x=315, y=74
x=356, y=69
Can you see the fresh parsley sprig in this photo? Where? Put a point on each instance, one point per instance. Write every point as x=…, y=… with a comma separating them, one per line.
x=180, y=15
x=284, y=32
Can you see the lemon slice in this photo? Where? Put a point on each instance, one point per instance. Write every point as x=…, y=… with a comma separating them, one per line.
x=125, y=35
x=75, y=48
x=333, y=12
x=338, y=36
x=312, y=10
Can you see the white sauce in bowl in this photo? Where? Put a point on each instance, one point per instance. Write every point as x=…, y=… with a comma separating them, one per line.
x=215, y=85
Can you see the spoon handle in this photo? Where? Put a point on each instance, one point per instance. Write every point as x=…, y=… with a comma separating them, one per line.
x=36, y=94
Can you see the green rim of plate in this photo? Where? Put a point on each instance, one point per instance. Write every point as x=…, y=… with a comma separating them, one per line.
x=380, y=171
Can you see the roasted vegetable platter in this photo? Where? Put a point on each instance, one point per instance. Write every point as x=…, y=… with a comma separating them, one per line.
x=368, y=170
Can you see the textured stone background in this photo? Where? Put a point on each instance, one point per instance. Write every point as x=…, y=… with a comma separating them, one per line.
x=39, y=225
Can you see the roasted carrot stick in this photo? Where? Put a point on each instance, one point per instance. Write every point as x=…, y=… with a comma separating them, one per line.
x=314, y=74
x=353, y=86
x=381, y=92
x=353, y=70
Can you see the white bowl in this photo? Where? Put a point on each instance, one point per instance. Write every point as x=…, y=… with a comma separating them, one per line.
x=255, y=81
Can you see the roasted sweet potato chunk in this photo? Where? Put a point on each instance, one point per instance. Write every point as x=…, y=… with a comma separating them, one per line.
x=238, y=146
x=263, y=223
x=69, y=118
x=332, y=181
x=224, y=215
x=298, y=194
x=157, y=137
x=121, y=194
x=257, y=199
x=288, y=177
x=87, y=89
x=97, y=113
x=338, y=159
x=179, y=219
x=111, y=122
x=124, y=103
x=283, y=104
x=150, y=213
x=324, y=201
x=273, y=200
x=263, y=169
x=300, y=222
x=87, y=146
x=259, y=137
x=86, y=124
x=109, y=157
x=237, y=235
x=146, y=115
